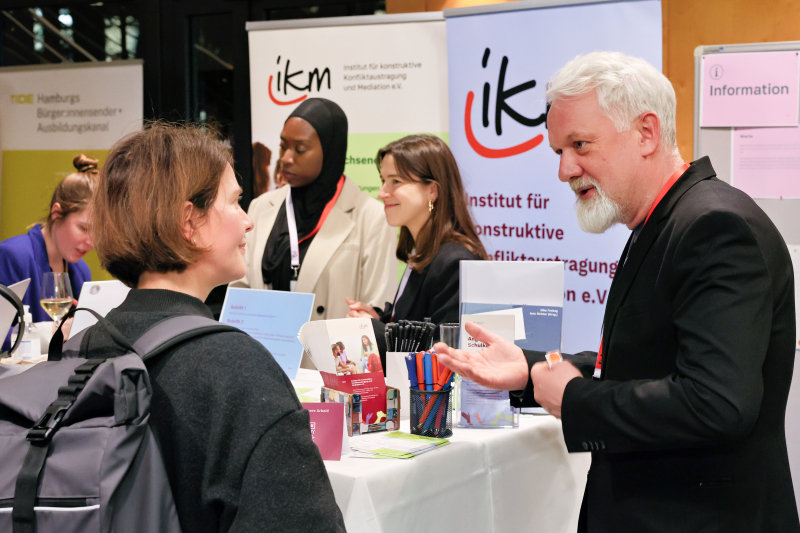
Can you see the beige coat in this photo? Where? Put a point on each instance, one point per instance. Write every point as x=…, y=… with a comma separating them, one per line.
x=353, y=254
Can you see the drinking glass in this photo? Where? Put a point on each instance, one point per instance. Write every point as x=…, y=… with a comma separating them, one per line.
x=448, y=334
x=56, y=294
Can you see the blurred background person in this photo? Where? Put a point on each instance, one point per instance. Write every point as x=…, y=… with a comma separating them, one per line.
x=262, y=156
x=57, y=243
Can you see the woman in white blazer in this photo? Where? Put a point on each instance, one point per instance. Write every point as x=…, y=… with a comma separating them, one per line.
x=344, y=245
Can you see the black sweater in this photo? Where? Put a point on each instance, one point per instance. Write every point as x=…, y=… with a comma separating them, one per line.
x=235, y=440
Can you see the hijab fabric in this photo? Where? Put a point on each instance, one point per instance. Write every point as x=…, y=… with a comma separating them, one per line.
x=330, y=123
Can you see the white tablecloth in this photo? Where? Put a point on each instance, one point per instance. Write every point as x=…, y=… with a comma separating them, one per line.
x=486, y=480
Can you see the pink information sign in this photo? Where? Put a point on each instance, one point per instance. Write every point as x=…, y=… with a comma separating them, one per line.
x=754, y=89
x=766, y=162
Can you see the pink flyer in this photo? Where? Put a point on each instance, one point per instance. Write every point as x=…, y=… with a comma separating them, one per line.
x=754, y=89
x=327, y=428
x=372, y=388
x=766, y=162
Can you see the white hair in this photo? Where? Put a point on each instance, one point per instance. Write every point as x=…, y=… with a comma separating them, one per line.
x=626, y=87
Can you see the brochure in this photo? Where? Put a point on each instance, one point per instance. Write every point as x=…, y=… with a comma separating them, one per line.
x=372, y=389
x=531, y=291
x=481, y=407
x=273, y=318
x=328, y=429
x=343, y=346
x=394, y=445
x=534, y=327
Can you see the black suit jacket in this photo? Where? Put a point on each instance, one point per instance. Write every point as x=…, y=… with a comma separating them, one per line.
x=433, y=293
x=686, y=424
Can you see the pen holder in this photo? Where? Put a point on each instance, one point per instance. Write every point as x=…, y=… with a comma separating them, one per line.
x=431, y=413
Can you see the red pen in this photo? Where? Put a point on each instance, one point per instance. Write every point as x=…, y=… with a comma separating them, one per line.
x=443, y=379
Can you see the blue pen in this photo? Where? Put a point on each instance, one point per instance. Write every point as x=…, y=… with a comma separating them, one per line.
x=426, y=366
x=412, y=370
x=449, y=382
x=434, y=413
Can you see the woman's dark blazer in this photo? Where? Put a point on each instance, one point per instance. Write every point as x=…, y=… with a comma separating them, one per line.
x=431, y=294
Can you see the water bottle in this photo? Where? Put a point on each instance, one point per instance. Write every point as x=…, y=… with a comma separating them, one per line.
x=30, y=348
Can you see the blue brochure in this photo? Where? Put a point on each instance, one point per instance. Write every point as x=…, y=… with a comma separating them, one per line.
x=540, y=328
x=273, y=318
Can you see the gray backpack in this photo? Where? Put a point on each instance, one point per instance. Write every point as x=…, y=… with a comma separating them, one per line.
x=76, y=451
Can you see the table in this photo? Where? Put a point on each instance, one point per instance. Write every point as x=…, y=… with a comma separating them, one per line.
x=486, y=480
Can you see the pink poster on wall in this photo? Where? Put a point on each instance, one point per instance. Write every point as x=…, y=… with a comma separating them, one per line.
x=754, y=89
x=766, y=162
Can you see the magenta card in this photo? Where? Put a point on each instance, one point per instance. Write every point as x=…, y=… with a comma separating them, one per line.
x=766, y=162
x=753, y=89
x=372, y=388
x=327, y=428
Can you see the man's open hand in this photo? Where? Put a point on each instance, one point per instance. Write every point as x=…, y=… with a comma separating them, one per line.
x=501, y=365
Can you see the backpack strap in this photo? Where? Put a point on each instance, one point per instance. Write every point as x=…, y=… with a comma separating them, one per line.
x=39, y=436
x=160, y=337
x=55, y=351
x=172, y=331
x=14, y=300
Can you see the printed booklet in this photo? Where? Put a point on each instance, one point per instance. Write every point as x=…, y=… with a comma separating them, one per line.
x=343, y=346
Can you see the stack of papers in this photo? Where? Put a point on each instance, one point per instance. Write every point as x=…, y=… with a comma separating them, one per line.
x=394, y=445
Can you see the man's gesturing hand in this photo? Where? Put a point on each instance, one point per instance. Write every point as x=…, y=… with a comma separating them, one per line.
x=501, y=365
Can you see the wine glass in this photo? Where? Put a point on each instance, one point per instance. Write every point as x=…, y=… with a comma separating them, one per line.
x=56, y=294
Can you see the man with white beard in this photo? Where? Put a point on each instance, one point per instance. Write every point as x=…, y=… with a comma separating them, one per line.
x=683, y=405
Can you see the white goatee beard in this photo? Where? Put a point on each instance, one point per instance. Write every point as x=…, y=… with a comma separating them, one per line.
x=598, y=213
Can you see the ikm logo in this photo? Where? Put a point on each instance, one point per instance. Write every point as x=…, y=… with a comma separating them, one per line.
x=501, y=107
x=315, y=79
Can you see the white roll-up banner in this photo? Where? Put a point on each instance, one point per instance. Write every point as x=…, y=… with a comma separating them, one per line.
x=48, y=115
x=387, y=72
x=499, y=64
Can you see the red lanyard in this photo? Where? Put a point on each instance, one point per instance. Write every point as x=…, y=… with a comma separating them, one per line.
x=667, y=186
x=326, y=211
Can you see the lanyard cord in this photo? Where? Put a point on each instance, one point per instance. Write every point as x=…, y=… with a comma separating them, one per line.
x=293, y=241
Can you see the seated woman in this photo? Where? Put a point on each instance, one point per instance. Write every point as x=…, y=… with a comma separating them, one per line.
x=370, y=360
x=423, y=195
x=55, y=244
x=235, y=440
x=322, y=234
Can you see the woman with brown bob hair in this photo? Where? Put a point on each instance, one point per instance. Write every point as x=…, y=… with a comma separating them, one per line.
x=57, y=243
x=167, y=223
x=422, y=194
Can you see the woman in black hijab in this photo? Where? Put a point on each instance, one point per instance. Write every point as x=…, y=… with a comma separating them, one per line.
x=343, y=244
